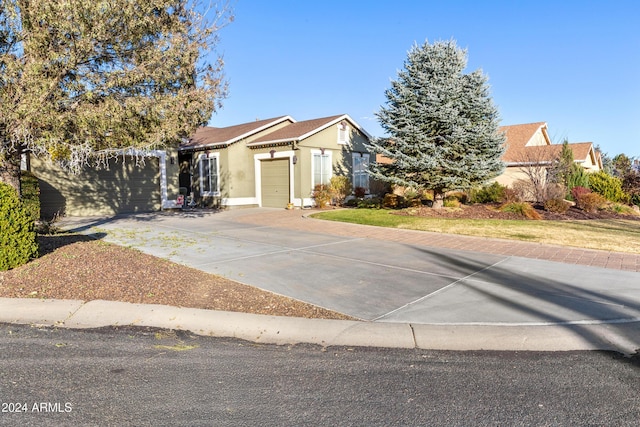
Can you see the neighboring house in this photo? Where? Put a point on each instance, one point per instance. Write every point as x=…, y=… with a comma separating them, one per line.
x=528, y=145
x=273, y=162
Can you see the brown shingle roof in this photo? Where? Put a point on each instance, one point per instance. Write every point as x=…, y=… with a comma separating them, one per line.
x=296, y=130
x=581, y=150
x=213, y=136
x=518, y=136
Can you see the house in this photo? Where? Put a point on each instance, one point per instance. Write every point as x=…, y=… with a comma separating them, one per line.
x=528, y=145
x=273, y=162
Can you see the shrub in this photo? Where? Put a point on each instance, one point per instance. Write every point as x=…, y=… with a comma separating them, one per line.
x=521, y=208
x=622, y=209
x=451, y=202
x=523, y=190
x=491, y=193
x=577, y=192
x=31, y=195
x=590, y=202
x=609, y=187
x=321, y=195
x=554, y=191
x=556, y=205
x=510, y=195
x=372, y=203
x=460, y=196
x=577, y=177
x=392, y=201
x=339, y=187
x=360, y=192
x=17, y=234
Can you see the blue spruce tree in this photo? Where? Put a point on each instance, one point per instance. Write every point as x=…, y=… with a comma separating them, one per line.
x=441, y=124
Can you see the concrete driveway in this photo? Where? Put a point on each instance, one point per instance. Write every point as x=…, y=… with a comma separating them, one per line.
x=381, y=275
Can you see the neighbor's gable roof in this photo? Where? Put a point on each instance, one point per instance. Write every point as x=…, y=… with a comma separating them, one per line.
x=584, y=150
x=215, y=137
x=304, y=129
x=518, y=137
x=521, y=147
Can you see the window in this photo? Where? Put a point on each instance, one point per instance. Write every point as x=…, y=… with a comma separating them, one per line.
x=360, y=170
x=343, y=133
x=321, y=167
x=209, y=175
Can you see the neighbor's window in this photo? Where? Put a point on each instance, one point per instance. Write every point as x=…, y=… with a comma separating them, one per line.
x=321, y=167
x=209, y=175
x=360, y=170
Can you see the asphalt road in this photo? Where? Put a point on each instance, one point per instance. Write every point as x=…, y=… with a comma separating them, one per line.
x=144, y=377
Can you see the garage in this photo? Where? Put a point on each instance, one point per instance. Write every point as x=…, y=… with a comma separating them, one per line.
x=274, y=175
x=123, y=187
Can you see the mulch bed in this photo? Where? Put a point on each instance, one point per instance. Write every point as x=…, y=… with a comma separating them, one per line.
x=491, y=211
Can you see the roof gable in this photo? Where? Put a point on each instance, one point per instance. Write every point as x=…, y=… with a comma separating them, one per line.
x=304, y=129
x=520, y=136
x=212, y=136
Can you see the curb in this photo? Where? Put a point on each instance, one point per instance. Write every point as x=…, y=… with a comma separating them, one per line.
x=75, y=314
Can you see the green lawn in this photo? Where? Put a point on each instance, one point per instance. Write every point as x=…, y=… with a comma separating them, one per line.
x=606, y=234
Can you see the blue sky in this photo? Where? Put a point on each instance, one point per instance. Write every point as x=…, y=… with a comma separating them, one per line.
x=572, y=64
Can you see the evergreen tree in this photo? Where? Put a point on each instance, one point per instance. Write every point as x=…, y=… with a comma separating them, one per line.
x=442, y=124
x=83, y=77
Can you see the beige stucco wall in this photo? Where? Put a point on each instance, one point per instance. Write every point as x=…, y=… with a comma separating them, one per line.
x=510, y=175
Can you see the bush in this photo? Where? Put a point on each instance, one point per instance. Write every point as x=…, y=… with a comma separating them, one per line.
x=360, y=192
x=554, y=191
x=17, y=233
x=556, y=205
x=523, y=190
x=577, y=192
x=392, y=201
x=451, y=202
x=321, y=195
x=460, y=196
x=608, y=187
x=372, y=203
x=339, y=187
x=521, y=208
x=510, y=195
x=577, y=177
x=491, y=193
x=31, y=195
x=590, y=202
x=622, y=209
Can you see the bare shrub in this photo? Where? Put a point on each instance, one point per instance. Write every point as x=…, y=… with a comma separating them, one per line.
x=556, y=205
x=521, y=208
x=523, y=190
x=590, y=202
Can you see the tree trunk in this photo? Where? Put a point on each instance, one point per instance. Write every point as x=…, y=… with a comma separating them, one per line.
x=10, y=170
x=438, y=199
